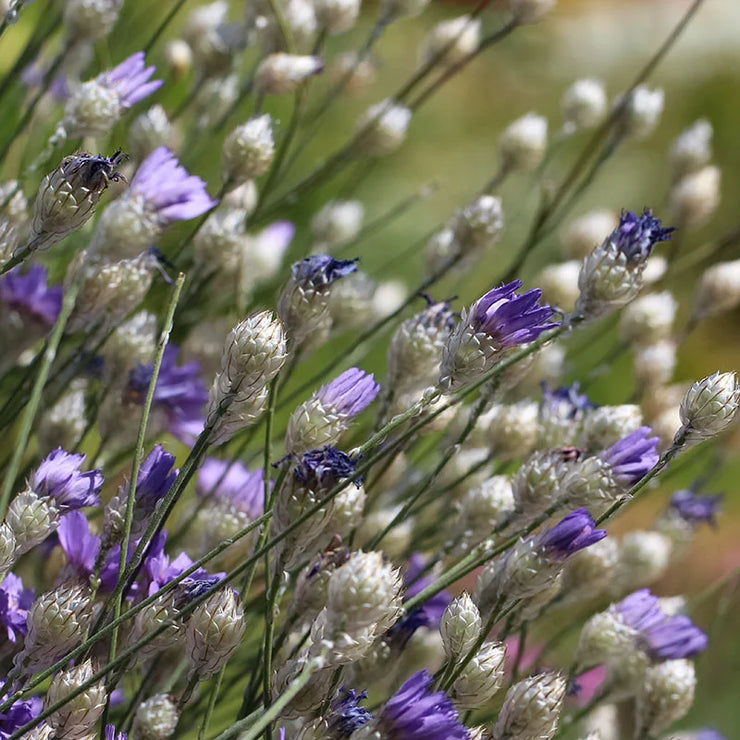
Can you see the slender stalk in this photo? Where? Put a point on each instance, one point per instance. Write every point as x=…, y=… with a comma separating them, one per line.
x=211, y=704
x=163, y=25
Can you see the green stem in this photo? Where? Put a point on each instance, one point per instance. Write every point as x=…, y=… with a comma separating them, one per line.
x=163, y=25
x=211, y=704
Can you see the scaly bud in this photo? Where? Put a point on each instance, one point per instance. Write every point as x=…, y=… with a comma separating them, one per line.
x=382, y=128
x=336, y=16
x=150, y=130
x=665, y=697
x=583, y=105
x=695, y=197
x=692, y=149
x=522, y=144
x=156, y=718
x=88, y=20
x=281, y=73
x=481, y=678
x=708, y=408
x=718, y=291
x=648, y=318
x=449, y=42
x=338, y=221
x=482, y=509
x=589, y=572
x=76, y=718
x=582, y=235
x=606, y=425
x=532, y=707
x=248, y=151
x=460, y=627
x=641, y=112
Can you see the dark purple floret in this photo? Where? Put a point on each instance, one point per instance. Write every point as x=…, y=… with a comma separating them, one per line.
x=15, y=601
x=437, y=314
x=112, y=734
x=634, y=456
x=168, y=189
x=415, y=712
x=321, y=270
x=637, y=235
x=19, y=714
x=59, y=476
x=346, y=714
x=349, y=393
x=324, y=468
x=80, y=546
x=566, y=401
x=130, y=80
x=571, y=534
x=232, y=483
x=694, y=509
x=159, y=570
x=511, y=319
x=195, y=587
x=155, y=477
x=28, y=294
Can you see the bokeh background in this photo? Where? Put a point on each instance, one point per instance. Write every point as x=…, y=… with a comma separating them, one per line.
x=452, y=142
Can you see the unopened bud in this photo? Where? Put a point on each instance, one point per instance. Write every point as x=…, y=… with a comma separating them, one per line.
x=641, y=112
x=382, y=128
x=355, y=73
x=7, y=548
x=156, y=718
x=460, y=627
x=282, y=73
x=179, y=56
x=643, y=558
x=482, y=509
x=559, y=284
x=338, y=221
x=654, y=364
x=692, y=149
x=449, y=42
x=64, y=423
x=351, y=302
x=511, y=429
x=482, y=677
x=248, y=150
x=719, y=290
x=588, y=573
x=522, y=144
x=32, y=518
x=336, y=16
x=695, y=197
x=648, y=318
x=75, y=719
x=606, y=425
x=531, y=709
x=708, y=408
x=90, y=19
x=478, y=226
x=583, y=105
x=150, y=130
x=665, y=697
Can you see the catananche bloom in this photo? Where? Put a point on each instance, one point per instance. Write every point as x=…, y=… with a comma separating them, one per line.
x=500, y=320
x=112, y=734
x=233, y=484
x=80, y=546
x=28, y=295
x=571, y=534
x=694, y=509
x=15, y=602
x=159, y=569
x=562, y=415
x=20, y=713
x=59, y=477
x=346, y=715
x=633, y=457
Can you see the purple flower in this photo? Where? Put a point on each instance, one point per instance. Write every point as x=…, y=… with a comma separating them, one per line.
x=179, y=393
x=130, y=80
x=566, y=401
x=232, y=483
x=324, y=468
x=80, y=546
x=320, y=270
x=159, y=570
x=168, y=189
x=706, y=733
x=28, y=295
x=111, y=734
x=663, y=636
x=634, y=456
x=637, y=235
x=15, y=601
x=695, y=510
x=59, y=476
x=155, y=477
x=511, y=319
x=19, y=714
x=572, y=533
x=349, y=393
x=195, y=587
x=415, y=712
x=346, y=715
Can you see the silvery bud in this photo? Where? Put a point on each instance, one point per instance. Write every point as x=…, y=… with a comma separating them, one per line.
x=248, y=151
x=644, y=557
x=522, y=144
x=90, y=19
x=648, y=318
x=68, y=195
x=254, y=352
x=354, y=72
x=347, y=511
x=76, y=718
x=16, y=205
x=179, y=57
x=351, y=302
x=150, y=130
x=478, y=226
x=695, y=197
x=282, y=73
x=132, y=343
x=338, y=221
x=692, y=149
x=606, y=425
x=511, y=429
x=582, y=235
x=7, y=548
x=718, y=291
x=57, y=622
x=156, y=718
x=559, y=284
x=300, y=17
x=708, y=408
x=588, y=573
x=312, y=584
x=213, y=632
x=449, y=42
x=584, y=105
x=218, y=246
x=530, y=11
x=311, y=696
x=336, y=16
x=603, y=636
x=654, y=364
x=161, y=611
x=382, y=128
x=32, y=518
x=481, y=678
x=536, y=484
x=482, y=509
x=531, y=709
x=460, y=627
x=665, y=697
x=215, y=99
x=398, y=539
x=441, y=251
x=243, y=197
x=641, y=112
x=8, y=239
x=64, y=423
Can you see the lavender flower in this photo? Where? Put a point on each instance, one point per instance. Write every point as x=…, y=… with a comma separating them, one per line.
x=324, y=468
x=19, y=713
x=566, y=401
x=633, y=457
x=571, y=534
x=15, y=602
x=80, y=546
x=636, y=235
x=498, y=321
x=694, y=509
x=415, y=712
x=59, y=477
x=112, y=734
x=232, y=484
x=160, y=569
x=350, y=393
x=29, y=296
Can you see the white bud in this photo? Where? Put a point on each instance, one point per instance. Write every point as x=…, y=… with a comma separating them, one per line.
x=32, y=519
x=641, y=114
x=282, y=73
x=440, y=251
x=336, y=16
x=8, y=238
x=655, y=268
x=559, y=284
x=692, y=149
x=536, y=484
x=482, y=508
x=481, y=678
x=75, y=719
x=219, y=245
x=7, y=548
x=382, y=128
x=300, y=17
x=719, y=290
x=351, y=302
x=338, y=221
x=582, y=235
x=389, y=296
x=606, y=425
x=346, y=514
x=215, y=99
x=584, y=105
x=179, y=56
x=511, y=429
x=64, y=423
x=478, y=226
x=131, y=343
x=530, y=11
x=460, y=627
x=354, y=73
x=16, y=208
x=449, y=42
x=603, y=636
x=150, y=130
x=248, y=150
x=654, y=364
x=522, y=144
x=311, y=696
x=648, y=318
x=666, y=696
x=588, y=572
x=695, y=197
x=91, y=110
x=709, y=407
x=643, y=558
x=160, y=612
x=531, y=709
x=156, y=718
x=90, y=19
x=213, y=632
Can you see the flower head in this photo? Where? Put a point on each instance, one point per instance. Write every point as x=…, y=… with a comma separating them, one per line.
x=346, y=714
x=321, y=270
x=634, y=456
x=324, y=468
x=159, y=569
x=155, y=477
x=29, y=295
x=130, y=80
x=415, y=712
x=59, y=476
x=349, y=393
x=112, y=734
x=15, y=602
x=636, y=235
x=19, y=713
x=571, y=534
x=80, y=546
x=233, y=484
x=695, y=510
